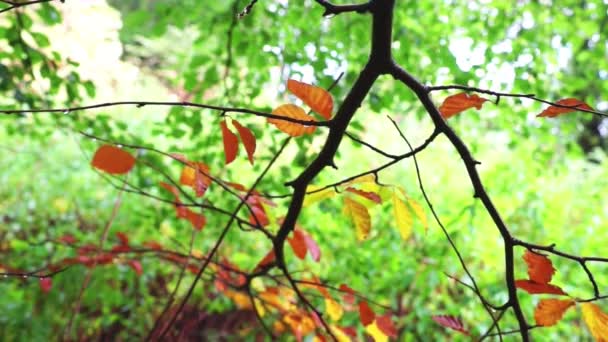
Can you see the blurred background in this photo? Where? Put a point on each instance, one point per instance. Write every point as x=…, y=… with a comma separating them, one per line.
x=546, y=176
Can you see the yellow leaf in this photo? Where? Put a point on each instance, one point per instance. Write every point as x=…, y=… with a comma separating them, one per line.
x=361, y=218
x=333, y=309
x=61, y=205
x=373, y=330
x=549, y=311
x=317, y=196
x=259, y=307
x=596, y=320
x=403, y=217
x=369, y=178
x=240, y=299
x=419, y=212
x=339, y=334
x=293, y=112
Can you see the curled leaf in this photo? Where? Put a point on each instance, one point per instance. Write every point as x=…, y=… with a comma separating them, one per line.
x=574, y=104
x=318, y=99
x=231, y=143
x=455, y=104
x=247, y=138
x=113, y=160
x=549, y=311
x=292, y=128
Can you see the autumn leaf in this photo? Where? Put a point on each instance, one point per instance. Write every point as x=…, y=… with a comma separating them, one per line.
x=385, y=324
x=267, y=260
x=136, y=266
x=455, y=104
x=292, y=128
x=451, y=322
x=196, y=175
x=403, y=217
x=333, y=309
x=247, y=138
x=540, y=268
x=313, y=196
x=374, y=197
x=549, y=311
x=198, y=221
x=113, y=160
x=533, y=287
x=360, y=217
x=318, y=99
x=374, y=331
x=123, y=238
x=231, y=143
x=553, y=111
x=596, y=320
x=298, y=244
x=366, y=314
x=313, y=248
x=419, y=212
x=45, y=284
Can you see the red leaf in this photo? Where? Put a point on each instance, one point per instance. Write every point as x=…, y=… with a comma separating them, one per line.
x=247, y=138
x=67, y=238
x=198, y=220
x=366, y=314
x=231, y=143
x=124, y=239
x=553, y=111
x=350, y=331
x=385, y=324
x=312, y=246
x=260, y=215
x=46, y=284
x=153, y=245
x=349, y=296
x=136, y=266
x=298, y=244
x=540, y=268
x=451, y=322
x=318, y=99
x=113, y=160
x=533, y=287
x=374, y=197
x=267, y=260
x=455, y=104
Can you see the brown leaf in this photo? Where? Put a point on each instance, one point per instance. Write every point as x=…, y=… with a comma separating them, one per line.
x=553, y=111
x=318, y=99
x=113, y=160
x=540, y=268
x=533, y=287
x=247, y=138
x=455, y=104
x=549, y=311
x=292, y=128
x=231, y=143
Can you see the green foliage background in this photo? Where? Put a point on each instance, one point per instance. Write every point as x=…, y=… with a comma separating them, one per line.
x=546, y=176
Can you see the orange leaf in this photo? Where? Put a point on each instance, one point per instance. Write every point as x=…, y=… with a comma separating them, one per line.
x=596, y=321
x=549, y=311
x=292, y=128
x=181, y=210
x=113, y=160
x=231, y=143
x=385, y=324
x=455, y=104
x=298, y=244
x=540, y=268
x=366, y=314
x=198, y=220
x=247, y=138
x=553, y=111
x=195, y=174
x=533, y=287
x=318, y=99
